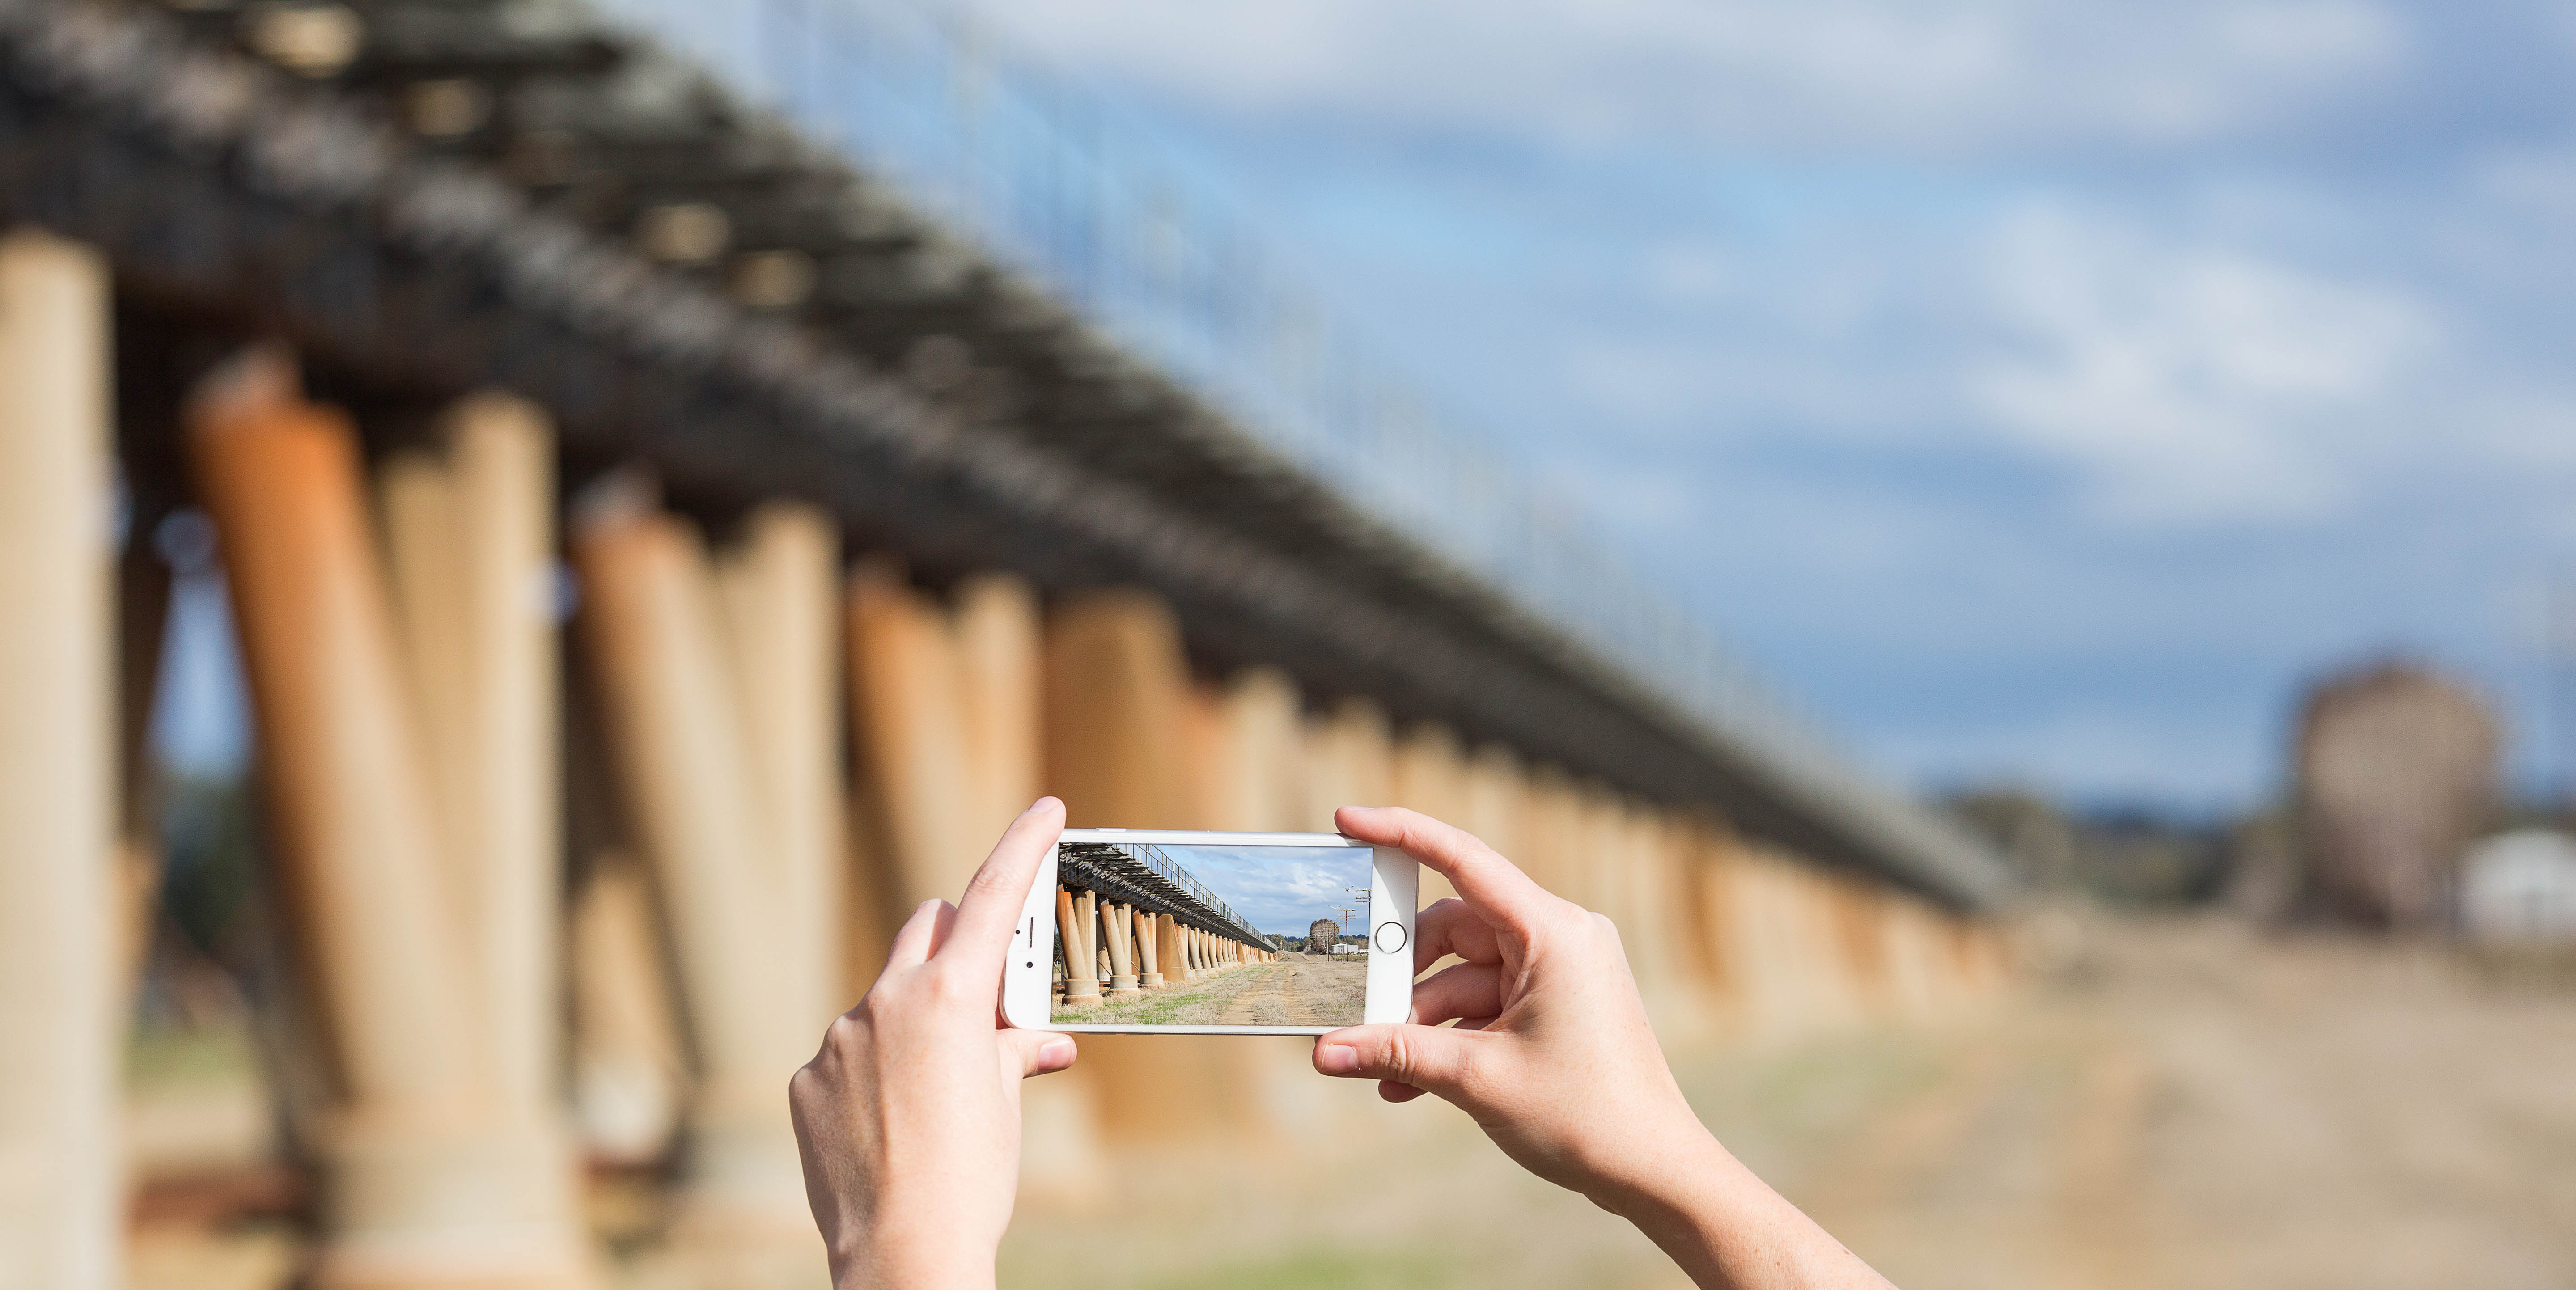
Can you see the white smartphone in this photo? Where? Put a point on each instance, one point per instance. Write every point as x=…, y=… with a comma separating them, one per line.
x=1166, y=932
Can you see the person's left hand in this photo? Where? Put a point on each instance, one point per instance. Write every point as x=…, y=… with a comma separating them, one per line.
x=909, y=1117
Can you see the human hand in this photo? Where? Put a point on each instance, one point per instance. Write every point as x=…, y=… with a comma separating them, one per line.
x=1552, y=1055
x=1554, y=1059
x=908, y=1120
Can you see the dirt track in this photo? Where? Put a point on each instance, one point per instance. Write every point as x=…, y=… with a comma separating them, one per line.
x=1299, y=990
x=2197, y=1105
x=2190, y=1105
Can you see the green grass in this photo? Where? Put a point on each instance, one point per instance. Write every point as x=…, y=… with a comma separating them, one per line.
x=156, y=1055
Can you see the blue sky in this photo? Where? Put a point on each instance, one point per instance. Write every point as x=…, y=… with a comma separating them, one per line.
x=1281, y=889
x=2041, y=392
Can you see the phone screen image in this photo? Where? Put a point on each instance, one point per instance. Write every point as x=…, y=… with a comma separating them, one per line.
x=1169, y=934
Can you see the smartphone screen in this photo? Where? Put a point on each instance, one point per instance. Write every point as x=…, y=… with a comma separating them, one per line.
x=1195, y=934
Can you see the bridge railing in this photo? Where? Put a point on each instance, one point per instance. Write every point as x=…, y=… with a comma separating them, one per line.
x=1177, y=874
x=1045, y=178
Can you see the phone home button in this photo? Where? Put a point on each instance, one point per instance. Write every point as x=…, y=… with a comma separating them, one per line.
x=1390, y=937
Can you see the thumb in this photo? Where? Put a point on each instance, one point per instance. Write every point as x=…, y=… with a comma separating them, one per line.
x=1035, y=1052
x=1431, y=1058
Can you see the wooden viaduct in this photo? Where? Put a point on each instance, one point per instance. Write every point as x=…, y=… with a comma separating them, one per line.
x=660, y=555
x=1131, y=918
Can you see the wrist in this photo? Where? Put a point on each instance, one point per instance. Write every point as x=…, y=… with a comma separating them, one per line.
x=1664, y=1175
x=914, y=1256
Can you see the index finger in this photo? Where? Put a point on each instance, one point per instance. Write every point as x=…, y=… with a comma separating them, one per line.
x=989, y=912
x=1491, y=885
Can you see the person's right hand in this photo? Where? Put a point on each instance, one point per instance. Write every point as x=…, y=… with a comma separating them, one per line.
x=1552, y=1054
x=1553, y=1057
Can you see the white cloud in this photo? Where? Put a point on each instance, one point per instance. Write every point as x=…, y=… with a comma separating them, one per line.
x=2191, y=383
x=1966, y=74
x=1278, y=888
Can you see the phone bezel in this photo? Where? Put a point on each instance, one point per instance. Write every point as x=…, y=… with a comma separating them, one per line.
x=1394, y=884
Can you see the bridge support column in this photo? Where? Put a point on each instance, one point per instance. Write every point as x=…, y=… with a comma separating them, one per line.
x=1149, y=952
x=628, y=1067
x=1081, y=988
x=1095, y=950
x=1118, y=928
x=912, y=729
x=781, y=598
x=1548, y=830
x=62, y=1184
x=430, y=1182
x=997, y=652
x=1430, y=776
x=1256, y=771
x=650, y=624
x=1167, y=952
x=1348, y=761
x=1117, y=738
x=470, y=533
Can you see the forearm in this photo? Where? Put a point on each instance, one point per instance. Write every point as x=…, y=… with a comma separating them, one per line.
x=1730, y=1231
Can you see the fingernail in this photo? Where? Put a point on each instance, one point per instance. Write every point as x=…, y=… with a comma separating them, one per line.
x=1039, y=805
x=1337, y=1059
x=1056, y=1053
